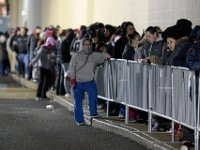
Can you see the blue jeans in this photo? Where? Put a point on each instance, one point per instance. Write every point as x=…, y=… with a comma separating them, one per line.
x=78, y=90
x=24, y=59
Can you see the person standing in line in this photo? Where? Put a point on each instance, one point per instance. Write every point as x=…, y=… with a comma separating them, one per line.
x=44, y=57
x=81, y=72
x=193, y=62
x=32, y=42
x=20, y=47
x=65, y=51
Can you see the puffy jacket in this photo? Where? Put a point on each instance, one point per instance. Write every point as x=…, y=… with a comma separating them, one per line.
x=150, y=49
x=178, y=56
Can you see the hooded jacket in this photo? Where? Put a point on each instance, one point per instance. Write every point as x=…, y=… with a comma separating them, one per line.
x=83, y=69
x=178, y=56
x=193, y=56
x=150, y=49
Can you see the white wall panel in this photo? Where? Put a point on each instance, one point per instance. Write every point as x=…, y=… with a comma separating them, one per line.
x=166, y=13
x=73, y=13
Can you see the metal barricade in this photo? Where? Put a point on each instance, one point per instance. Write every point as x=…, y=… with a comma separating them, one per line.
x=99, y=78
x=115, y=80
x=160, y=87
x=169, y=92
x=183, y=97
x=121, y=76
x=137, y=85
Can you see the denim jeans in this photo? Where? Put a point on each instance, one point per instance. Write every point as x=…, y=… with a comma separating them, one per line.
x=24, y=59
x=79, y=90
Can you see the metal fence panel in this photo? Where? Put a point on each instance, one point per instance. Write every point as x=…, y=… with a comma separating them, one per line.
x=99, y=78
x=183, y=96
x=121, y=80
x=138, y=85
x=169, y=91
x=112, y=80
x=161, y=89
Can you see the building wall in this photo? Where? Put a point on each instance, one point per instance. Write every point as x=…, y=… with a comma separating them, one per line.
x=73, y=13
x=166, y=12
x=13, y=14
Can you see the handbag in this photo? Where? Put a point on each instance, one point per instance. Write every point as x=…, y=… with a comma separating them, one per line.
x=73, y=81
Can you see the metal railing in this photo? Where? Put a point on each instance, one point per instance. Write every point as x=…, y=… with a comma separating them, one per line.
x=168, y=92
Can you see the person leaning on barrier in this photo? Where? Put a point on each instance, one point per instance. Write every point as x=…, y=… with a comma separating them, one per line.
x=81, y=73
x=132, y=51
x=152, y=48
x=193, y=62
x=171, y=36
x=180, y=34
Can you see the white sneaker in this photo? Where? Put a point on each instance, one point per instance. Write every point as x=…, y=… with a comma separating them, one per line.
x=155, y=126
x=67, y=95
x=35, y=80
x=121, y=116
x=38, y=98
x=183, y=147
x=26, y=76
x=80, y=123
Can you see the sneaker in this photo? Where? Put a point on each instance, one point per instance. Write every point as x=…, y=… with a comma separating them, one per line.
x=27, y=76
x=38, y=98
x=67, y=95
x=35, y=80
x=184, y=147
x=188, y=143
x=100, y=106
x=155, y=126
x=121, y=116
x=169, y=131
x=80, y=123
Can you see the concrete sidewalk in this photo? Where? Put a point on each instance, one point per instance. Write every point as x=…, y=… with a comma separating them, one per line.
x=138, y=132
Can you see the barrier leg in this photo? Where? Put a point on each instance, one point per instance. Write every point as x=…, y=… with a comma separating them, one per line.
x=149, y=120
x=107, y=111
x=127, y=115
x=173, y=131
x=196, y=137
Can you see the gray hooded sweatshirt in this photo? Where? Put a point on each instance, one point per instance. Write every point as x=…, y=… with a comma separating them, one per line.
x=87, y=72
x=44, y=58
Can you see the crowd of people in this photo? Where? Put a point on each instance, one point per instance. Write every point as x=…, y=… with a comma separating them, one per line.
x=65, y=59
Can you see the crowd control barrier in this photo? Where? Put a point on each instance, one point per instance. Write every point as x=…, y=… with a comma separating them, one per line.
x=165, y=91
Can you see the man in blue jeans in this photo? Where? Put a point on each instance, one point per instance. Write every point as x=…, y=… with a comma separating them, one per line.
x=82, y=72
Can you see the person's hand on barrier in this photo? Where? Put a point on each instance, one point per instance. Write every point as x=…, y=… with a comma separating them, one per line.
x=141, y=60
x=109, y=57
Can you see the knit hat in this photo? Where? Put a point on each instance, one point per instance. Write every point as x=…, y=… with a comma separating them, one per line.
x=184, y=27
x=49, y=43
x=184, y=22
x=171, y=32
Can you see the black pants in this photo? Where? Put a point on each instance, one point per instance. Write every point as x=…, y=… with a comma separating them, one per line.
x=43, y=83
x=60, y=90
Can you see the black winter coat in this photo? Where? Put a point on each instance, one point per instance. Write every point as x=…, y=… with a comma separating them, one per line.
x=178, y=56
